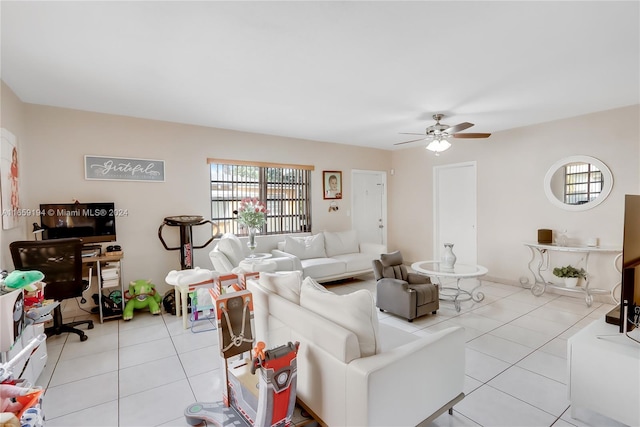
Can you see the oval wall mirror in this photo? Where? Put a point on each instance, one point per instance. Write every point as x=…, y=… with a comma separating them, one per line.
x=578, y=183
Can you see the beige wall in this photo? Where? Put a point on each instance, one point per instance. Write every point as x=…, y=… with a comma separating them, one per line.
x=511, y=167
x=12, y=119
x=57, y=140
x=512, y=205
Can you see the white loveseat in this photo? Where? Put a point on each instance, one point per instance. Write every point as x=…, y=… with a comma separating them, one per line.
x=328, y=255
x=353, y=371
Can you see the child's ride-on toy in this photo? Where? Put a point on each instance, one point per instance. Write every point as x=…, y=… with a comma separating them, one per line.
x=141, y=294
x=266, y=398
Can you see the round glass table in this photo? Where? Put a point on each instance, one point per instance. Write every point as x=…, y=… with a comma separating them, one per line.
x=436, y=271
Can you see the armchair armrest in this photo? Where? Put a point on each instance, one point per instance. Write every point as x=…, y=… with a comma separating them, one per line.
x=415, y=278
x=397, y=285
x=373, y=248
x=429, y=372
x=297, y=265
x=220, y=262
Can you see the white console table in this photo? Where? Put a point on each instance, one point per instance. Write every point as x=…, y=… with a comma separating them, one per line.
x=540, y=259
x=604, y=372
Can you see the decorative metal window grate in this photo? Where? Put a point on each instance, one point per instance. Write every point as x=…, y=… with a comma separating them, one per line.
x=582, y=183
x=285, y=189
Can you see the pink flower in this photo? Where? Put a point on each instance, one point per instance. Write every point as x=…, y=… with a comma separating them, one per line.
x=252, y=212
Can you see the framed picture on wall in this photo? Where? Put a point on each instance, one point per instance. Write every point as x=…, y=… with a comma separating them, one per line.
x=332, y=184
x=9, y=181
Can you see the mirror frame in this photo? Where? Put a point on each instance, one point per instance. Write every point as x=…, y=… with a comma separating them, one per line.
x=606, y=186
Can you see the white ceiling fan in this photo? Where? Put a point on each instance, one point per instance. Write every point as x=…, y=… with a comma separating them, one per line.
x=437, y=135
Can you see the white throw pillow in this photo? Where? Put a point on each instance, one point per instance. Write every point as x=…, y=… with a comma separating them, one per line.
x=231, y=247
x=284, y=283
x=341, y=242
x=355, y=311
x=305, y=247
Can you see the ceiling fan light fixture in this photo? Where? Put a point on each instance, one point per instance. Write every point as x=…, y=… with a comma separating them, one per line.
x=438, y=145
x=439, y=133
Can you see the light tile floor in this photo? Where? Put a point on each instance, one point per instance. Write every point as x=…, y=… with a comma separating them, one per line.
x=146, y=371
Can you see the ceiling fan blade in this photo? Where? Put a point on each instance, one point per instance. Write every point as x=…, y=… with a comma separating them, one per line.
x=471, y=135
x=459, y=127
x=410, y=133
x=406, y=142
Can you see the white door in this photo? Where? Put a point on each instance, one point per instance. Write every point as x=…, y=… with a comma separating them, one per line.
x=455, y=211
x=369, y=205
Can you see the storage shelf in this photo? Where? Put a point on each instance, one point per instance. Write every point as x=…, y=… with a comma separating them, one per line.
x=109, y=265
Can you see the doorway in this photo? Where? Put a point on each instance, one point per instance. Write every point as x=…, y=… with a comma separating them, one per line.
x=369, y=205
x=455, y=210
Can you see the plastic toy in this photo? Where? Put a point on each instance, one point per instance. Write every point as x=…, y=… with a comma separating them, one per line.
x=202, y=310
x=188, y=277
x=277, y=390
x=23, y=279
x=40, y=314
x=266, y=399
x=249, y=398
x=26, y=410
x=187, y=281
x=141, y=294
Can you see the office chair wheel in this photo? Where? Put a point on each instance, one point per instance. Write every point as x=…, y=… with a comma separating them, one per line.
x=90, y=325
x=83, y=337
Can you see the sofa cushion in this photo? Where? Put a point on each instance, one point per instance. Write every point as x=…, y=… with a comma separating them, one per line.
x=356, y=261
x=355, y=311
x=305, y=247
x=323, y=267
x=285, y=283
x=341, y=242
x=231, y=247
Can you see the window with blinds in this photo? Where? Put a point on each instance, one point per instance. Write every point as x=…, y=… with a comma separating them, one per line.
x=285, y=189
x=582, y=183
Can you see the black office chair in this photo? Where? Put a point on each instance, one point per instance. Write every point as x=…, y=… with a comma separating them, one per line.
x=60, y=260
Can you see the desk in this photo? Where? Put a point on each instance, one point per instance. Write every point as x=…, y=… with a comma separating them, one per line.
x=540, y=252
x=99, y=261
x=460, y=271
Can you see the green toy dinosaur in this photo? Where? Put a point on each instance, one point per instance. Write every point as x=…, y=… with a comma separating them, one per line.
x=141, y=294
x=23, y=279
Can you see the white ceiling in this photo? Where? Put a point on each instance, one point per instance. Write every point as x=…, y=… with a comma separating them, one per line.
x=346, y=72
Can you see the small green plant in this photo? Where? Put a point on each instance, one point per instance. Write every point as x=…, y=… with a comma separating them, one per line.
x=569, y=271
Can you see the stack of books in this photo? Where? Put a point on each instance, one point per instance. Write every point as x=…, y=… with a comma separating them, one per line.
x=110, y=276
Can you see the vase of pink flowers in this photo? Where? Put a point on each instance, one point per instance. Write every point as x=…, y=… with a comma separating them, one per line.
x=252, y=214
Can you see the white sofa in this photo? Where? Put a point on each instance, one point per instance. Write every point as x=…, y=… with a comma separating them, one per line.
x=353, y=371
x=329, y=256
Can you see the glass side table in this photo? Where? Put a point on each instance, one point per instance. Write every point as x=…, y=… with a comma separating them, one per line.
x=436, y=271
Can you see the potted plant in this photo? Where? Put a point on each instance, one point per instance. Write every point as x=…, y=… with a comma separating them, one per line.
x=570, y=275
